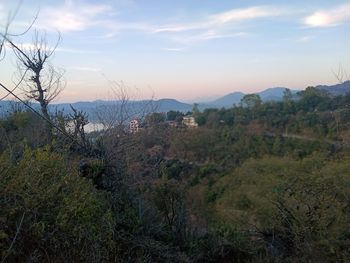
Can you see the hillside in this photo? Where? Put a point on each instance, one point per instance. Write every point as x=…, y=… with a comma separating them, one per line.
x=266, y=181
x=336, y=90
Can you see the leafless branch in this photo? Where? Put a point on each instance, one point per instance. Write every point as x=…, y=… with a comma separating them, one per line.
x=123, y=106
x=341, y=75
x=42, y=81
x=6, y=30
x=14, y=88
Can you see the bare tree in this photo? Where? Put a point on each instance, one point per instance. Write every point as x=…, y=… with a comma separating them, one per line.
x=80, y=120
x=124, y=105
x=42, y=82
x=341, y=74
x=343, y=78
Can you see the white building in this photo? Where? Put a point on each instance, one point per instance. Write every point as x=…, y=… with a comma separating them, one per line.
x=189, y=121
x=134, y=126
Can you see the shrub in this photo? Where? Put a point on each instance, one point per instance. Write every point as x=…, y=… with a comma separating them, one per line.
x=49, y=213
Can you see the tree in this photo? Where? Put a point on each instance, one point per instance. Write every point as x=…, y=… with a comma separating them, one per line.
x=195, y=110
x=80, y=120
x=42, y=82
x=174, y=116
x=341, y=75
x=287, y=100
x=314, y=99
x=155, y=118
x=251, y=100
x=169, y=199
x=123, y=106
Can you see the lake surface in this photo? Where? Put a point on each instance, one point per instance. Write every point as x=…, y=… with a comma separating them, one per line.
x=91, y=127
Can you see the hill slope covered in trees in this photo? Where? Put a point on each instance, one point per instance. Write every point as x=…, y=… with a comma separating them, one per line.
x=261, y=182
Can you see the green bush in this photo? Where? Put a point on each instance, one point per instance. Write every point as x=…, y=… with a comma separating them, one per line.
x=49, y=213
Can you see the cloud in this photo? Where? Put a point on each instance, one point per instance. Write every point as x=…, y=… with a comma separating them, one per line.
x=208, y=35
x=79, y=15
x=26, y=46
x=305, y=39
x=176, y=49
x=211, y=34
x=243, y=14
x=75, y=16
x=218, y=26
x=30, y=46
x=220, y=19
x=89, y=69
x=329, y=18
x=77, y=51
x=176, y=28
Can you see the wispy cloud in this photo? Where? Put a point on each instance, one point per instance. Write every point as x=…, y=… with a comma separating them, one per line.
x=77, y=51
x=224, y=18
x=73, y=16
x=329, y=18
x=211, y=34
x=23, y=46
x=305, y=39
x=79, y=15
x=205, y=36
x=89, y=69
x=243, y=14
x=219, y=25
x=30, y=46
x=175, y=49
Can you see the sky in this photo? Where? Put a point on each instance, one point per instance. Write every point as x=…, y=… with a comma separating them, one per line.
x=190, y=50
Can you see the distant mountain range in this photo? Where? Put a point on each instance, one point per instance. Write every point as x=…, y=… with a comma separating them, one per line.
x=107, y=108
x=162, y=105
x=336, y=90
x=165, y=105
x=271, y=94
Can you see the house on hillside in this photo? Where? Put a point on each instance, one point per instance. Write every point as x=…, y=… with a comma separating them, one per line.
x=134, y=126
x=189, y=121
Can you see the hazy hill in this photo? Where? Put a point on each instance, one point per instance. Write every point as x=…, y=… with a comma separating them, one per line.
x=227, y=100
x=91, y=107
x=165, y=105
x=335, y=90
x=133, y=107
x=275, y=94
x=271, y=94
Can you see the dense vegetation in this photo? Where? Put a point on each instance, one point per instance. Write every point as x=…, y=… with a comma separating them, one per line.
x=259, y=182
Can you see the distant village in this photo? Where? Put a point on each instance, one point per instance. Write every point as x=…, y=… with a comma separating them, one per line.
x=176, y=120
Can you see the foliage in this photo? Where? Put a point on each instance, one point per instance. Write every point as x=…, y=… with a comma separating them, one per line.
x=59, y=211
x=259, y=182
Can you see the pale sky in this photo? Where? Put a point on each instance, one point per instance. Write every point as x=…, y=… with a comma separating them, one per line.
x=187, y=49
